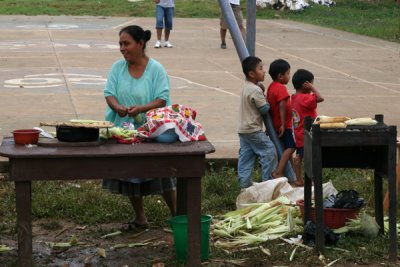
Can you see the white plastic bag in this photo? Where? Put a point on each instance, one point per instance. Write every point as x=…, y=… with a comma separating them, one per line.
x=262, y=192
x=272, y=189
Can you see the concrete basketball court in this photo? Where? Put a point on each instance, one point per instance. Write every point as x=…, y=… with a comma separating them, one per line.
x=55, y=68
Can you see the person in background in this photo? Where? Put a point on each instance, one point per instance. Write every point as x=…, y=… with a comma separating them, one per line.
x=237, y=11
x=164, y=16
x=135, y=85
x=304, y=103
x=253, y=140
x=281, y=111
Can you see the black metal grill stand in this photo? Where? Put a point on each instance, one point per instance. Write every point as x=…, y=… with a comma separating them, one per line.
x=365, y=147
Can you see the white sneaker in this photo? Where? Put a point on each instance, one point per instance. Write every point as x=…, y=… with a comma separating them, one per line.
x=158, y=44
x=168, y=44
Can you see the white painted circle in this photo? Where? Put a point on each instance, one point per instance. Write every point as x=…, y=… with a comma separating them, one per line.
x=32, y=26
x=33, y=82
x=62, y=26
x=45, y=81
x=58, y=26
x=88, y=81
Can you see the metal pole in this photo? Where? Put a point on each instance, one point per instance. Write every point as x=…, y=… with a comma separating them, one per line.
x=251, y=26
x=242, y=51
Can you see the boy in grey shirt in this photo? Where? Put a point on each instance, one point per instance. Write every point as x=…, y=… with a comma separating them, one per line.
x=253, y=140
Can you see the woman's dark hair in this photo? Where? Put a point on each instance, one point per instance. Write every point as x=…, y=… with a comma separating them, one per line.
x=300, y=77
x=250, y=64
x=137, y=33
x=277, y=67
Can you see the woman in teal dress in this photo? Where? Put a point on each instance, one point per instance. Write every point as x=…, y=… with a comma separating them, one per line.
x=135, y=85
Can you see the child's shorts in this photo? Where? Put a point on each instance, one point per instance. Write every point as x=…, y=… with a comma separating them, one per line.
x=300, y=151
x=288, y=139
x=164, y=13
x=237, y=11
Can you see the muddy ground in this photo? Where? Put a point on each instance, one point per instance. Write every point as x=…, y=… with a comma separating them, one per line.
x=158, y=252
x=159, y=248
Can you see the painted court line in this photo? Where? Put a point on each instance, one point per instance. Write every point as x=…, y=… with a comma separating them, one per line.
x=206, y=86
x=124, y=24
x=328, y=68
x=71, y=100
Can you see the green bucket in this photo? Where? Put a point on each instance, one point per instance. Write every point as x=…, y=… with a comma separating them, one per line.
x=179, y=228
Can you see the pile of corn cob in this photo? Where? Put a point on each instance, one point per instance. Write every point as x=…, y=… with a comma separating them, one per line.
x=257, y=223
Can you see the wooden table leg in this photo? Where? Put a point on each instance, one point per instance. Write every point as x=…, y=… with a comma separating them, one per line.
x=181, y=196
x=194, y=221
x=24, y=222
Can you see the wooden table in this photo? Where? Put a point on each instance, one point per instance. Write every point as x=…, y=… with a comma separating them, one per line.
x=365, y=147
x=185, y=161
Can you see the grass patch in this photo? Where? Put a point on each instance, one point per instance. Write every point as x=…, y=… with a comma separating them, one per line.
x=375, y=18
x=380, y=19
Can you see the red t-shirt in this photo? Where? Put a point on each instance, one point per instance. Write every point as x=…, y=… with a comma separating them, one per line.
x=276, y=93
x=303, y=105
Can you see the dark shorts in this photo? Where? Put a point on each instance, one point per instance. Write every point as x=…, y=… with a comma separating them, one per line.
x=300, y=151
x=288, y=139
x=237, y=12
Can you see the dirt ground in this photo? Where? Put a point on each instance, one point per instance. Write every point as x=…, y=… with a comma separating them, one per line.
x=158, y=252
x=160, y=247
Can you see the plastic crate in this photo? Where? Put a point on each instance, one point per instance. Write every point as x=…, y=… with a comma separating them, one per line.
x=333, y=218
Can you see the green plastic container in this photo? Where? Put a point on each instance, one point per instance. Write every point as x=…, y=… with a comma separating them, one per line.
x=179, y=228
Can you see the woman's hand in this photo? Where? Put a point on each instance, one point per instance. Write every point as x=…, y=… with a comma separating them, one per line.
x=121, y=110
x=114, y=105
x=134, y=110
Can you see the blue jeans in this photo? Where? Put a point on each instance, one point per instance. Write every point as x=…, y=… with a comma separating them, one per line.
x=255, y=145
x=164, y=13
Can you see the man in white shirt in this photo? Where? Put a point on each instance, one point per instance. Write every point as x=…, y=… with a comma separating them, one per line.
x=237, y=11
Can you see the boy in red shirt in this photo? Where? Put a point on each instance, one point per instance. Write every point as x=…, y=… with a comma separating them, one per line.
x=281, y=111
x=304, y=103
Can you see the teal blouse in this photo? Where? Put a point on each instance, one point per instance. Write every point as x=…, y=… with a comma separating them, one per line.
x=153, y=84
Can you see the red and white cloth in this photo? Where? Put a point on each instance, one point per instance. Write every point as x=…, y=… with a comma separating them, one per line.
x=178, y=117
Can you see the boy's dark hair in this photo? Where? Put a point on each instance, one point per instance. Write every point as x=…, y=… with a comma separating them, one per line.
x=300, y=77
x=277, y=67
x=250, y=64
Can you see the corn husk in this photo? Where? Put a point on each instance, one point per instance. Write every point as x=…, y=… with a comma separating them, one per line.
x=256, y=223
x=361, y=121
x=112, y=234
x=101, y=252
x=4, y=248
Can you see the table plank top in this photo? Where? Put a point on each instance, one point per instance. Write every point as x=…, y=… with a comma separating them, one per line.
x=10, y=150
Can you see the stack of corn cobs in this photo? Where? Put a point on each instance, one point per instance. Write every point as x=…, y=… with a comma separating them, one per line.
x=257, y=223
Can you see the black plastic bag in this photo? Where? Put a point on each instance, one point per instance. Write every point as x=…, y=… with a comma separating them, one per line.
x=309, y=235
x=348, y=199
x=329, y=202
